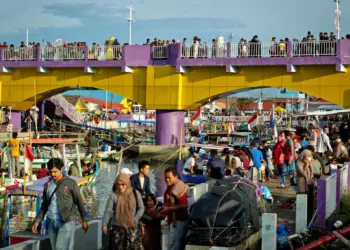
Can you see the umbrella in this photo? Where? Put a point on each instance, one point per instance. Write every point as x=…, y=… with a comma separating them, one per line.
x=279, y=109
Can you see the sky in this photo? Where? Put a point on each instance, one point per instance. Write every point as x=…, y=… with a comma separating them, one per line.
x=99, y=94
x=96, y=21
x=266, y=93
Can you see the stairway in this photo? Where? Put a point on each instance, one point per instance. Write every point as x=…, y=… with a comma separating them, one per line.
x=69, y=109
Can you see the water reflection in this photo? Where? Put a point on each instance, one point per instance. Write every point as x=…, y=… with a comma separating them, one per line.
x=96, y=195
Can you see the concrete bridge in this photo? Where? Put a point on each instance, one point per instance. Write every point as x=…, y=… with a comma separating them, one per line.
x=175, y=77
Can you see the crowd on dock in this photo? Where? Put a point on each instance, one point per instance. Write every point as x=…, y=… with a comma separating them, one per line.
x=133, y=215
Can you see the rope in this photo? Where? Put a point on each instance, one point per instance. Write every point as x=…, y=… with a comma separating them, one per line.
x=211, y=240
x=166, y=160
x=217, y=209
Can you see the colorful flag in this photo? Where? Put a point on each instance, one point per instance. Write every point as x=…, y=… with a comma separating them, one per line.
x=196, y=115
x=29, y=153
x=252, y=122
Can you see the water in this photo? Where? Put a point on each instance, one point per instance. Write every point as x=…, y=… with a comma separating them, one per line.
x=95, y=197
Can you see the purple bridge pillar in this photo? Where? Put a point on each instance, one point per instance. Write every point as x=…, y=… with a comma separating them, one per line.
x=168, y=127
x=16, y=121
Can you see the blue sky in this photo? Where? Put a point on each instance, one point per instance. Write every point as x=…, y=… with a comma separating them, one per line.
x=99, y=94
x=92, y=20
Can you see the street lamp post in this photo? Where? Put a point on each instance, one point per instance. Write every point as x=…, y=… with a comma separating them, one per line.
x=337, y=18
x=131, y=20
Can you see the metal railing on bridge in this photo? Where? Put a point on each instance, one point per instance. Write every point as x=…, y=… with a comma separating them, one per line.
x=192, y=51
x=203, y=51
x=313, y=48
x=62, y=53
x=257, y=50
x=105, y=53
x=20, y=54
x=160, y=52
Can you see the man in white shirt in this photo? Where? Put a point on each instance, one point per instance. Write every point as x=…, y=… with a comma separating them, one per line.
x=323, y=144
x=191, y=163
x=56, y=152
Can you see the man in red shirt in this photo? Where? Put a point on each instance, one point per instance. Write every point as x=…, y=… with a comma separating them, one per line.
x=289, y=157
x=43, y=172
x=175, y=207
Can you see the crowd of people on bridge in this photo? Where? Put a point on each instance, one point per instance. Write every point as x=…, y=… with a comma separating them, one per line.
x=325, y=45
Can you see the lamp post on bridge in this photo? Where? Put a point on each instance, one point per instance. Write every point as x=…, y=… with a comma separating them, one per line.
x=131, y=20
x=337, y=18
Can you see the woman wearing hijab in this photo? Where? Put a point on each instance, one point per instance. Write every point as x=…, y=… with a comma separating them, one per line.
x=305, y=184
x=124, y=209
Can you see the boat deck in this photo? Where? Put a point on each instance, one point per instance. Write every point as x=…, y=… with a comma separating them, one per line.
x=58, y=140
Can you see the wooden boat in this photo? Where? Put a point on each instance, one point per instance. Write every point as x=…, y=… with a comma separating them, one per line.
x=234, y=138
x=30, y=193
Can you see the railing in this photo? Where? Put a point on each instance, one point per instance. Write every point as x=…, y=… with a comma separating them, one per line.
x=191, y=51
x=62, y=53
x=315, y=48
x=272, y=49
x=105, y=53
x=238, y=119
x=160, y=52
x=20, y=54
x=204, y=51
x=73, y=114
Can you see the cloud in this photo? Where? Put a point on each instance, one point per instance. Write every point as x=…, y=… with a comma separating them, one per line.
x=17, y=17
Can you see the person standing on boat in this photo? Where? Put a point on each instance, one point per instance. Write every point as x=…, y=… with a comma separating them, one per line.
x=191, y=164
x=216, y=165
x=61, y=196
x=176, y=208
x=14, y=145
x=123, y=212
x=93, y=144
x=56, y=152
x=140, y=181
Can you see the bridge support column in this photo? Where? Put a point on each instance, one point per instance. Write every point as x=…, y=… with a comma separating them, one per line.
x=168, y=125
x=16, y=121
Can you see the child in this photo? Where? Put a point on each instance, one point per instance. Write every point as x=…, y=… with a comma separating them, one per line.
x=228, y=173
x=43, y=172
x=152, y=219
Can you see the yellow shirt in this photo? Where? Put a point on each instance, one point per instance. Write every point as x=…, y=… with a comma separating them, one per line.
x=14, y=147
